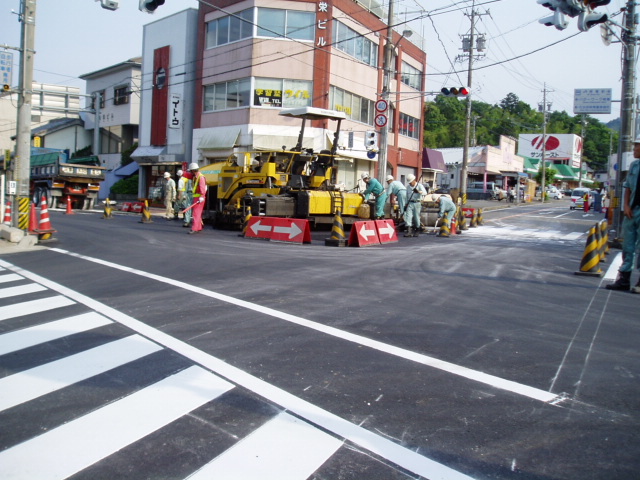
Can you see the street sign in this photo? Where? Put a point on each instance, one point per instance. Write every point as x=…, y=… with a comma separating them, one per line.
x=382, y=105
x=279, y=229
x=592, y=100
x=381, y=120
x=386, y=231
x=363, y=234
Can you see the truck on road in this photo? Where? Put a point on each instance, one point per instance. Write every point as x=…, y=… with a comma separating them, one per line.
x=58, y=178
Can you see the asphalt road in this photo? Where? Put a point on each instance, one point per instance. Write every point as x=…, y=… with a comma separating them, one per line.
x=477, y=356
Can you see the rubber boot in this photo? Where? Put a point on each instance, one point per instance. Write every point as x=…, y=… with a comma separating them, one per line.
x=636, y=289
x=623, y=282
x=416, y=232
x=409, y=232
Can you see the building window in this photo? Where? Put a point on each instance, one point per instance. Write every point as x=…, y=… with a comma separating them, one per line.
x=230, y=28
x=121, y=95
x=293, y=24
x=355, y=44
x=411, y=76
x=355, y=107
x=275, y=92
x=409, y=126
x=227, y=95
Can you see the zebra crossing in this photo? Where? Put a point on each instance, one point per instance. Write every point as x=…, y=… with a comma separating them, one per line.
x=83, y=396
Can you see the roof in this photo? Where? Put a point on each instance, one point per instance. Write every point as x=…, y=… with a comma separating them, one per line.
x=55, y=126
x=135, y=62
x=433, y=159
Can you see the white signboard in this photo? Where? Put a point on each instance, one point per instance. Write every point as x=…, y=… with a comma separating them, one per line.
x=562, y=148
x=175, y=111
x=592, y=100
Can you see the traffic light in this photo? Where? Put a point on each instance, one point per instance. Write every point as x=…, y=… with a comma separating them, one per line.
x=455, y=92
x=150, y=6
x=588, y=18
x=371, y=140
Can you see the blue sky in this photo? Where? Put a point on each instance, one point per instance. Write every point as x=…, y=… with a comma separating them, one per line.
x=74, y=37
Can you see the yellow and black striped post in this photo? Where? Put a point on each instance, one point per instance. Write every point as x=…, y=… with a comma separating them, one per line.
x=462, y=221
x=108, y=210
x=480, y=218
x=146, y=214
x=604, y=231
x=337, y=238
x=445, y=227
x=24, y=206
x=474, y=218
x=590, y=264
x=245, y=221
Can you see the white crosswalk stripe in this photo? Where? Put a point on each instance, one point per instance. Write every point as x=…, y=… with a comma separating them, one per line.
x=281, y=446
x=510, y=232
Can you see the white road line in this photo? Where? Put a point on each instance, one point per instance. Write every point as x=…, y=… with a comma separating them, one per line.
x=468, y=373
x=28, y=337
x=11, y=277
x=285, y=448
x=612, y=271
x=38, y=381
x=573, y=236
x=76, y=445
x=8, y=292
x=401, y=456
x=33, y=306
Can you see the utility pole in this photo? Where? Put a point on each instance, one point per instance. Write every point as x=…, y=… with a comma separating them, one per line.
x=625, y=147
x=386, y=81
x=467, y=125
x=23, y=130
x=582, y=134
x=544, y=107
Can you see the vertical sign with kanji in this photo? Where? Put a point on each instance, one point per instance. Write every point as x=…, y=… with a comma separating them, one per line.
x=321, y=27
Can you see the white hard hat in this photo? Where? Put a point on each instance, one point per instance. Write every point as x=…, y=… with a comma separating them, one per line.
x=167, y=175
x=193, y=166
x=179, y=173
x=411, y=177
x=364, y=175
x=389, y=178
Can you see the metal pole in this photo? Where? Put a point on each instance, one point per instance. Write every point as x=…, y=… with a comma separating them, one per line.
x=386, y=81
x=467, y=125
x=97, y=98
x=23, y=130
x=626, y=110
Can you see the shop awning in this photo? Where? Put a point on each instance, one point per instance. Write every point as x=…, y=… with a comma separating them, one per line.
x=224, y=138
x=433, y=160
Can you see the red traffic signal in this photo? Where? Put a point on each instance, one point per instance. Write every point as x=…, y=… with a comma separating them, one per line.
x=455, y=92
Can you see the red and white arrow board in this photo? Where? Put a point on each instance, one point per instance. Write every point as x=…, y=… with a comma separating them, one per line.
x=279, y=229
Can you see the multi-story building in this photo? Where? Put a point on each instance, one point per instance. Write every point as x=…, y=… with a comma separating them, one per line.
x=258, y=57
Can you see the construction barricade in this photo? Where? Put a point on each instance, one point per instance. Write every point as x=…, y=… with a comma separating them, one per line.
x=590, y=263
x=291, y=230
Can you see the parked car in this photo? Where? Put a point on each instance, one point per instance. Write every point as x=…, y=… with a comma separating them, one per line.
x=577, y=197
x=567, y=192
x=554, y=193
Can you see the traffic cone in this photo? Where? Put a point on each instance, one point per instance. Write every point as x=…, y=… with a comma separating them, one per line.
x=69, y=210
x=33, y=220
x=245, y=221
x=337, y=238
x=590, y=264
x=146, y=215
x=462, y=221
x=7, y=214
x=480, y=219
x=445, y=229
x=44, y=226
x=107, y=209
x=474, y=218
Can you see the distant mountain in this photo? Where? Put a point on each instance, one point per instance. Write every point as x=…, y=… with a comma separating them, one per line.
x=614, y=124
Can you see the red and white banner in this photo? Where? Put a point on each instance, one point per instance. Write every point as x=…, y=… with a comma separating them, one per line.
x=293, y=230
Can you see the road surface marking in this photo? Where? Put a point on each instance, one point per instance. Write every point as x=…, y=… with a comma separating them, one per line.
x=285, y=448
x=8, y=292
x=69, y=448
x=491, y=380
x=11, y=277
x=33, y=306
x=28, y=337
x=383, y=447
x=38, y=381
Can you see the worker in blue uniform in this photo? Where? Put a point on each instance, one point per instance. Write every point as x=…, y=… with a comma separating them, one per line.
x=375, y=188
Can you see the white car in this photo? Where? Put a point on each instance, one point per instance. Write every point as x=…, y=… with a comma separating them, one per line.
x=577, y=197
x=555, y=193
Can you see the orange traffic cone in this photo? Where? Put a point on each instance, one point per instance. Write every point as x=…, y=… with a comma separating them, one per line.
x=33, y=220
x=7, y=214
x=69, y=210
x=45, y=223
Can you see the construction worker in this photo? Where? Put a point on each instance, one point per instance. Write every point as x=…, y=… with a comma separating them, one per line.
x=447, y=208
x=630, y=225
x=374, y=187
x=415, y=191
x=169, y=189
x=199, y=191
x=399, y=191
x=184, y=197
